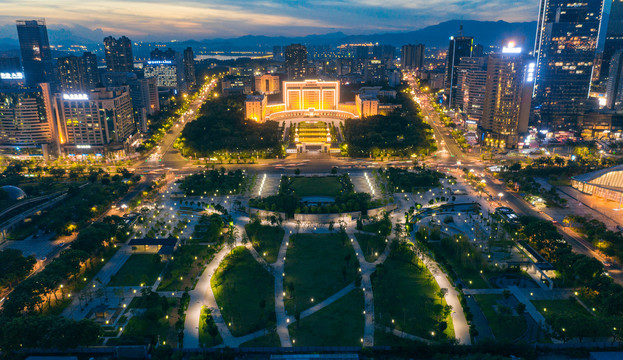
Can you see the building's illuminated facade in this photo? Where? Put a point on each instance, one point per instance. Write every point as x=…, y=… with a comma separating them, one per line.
x=311, y=95
x=94, y=120
x=26, y=116
x=267, y=84
x=367, y=105
x=255, y=107
x=565, y=45
x=506, y=106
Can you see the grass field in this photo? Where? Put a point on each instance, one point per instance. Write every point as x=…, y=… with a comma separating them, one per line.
x=205, y=339
x=314, y=267
x=241, y=286
x=371, y=245
x=383, y=338
x=455, y=258
x=316, y=186
x=566, y=308
x=408, y=295
x=266, y=240
x=505, y=328
x=139, y=269
x=187, y=264
x=270, y=340
x=339, y=324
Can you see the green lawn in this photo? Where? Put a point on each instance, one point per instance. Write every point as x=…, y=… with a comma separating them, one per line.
x=462, y=264
x=270, y=340
x=188, y=263
x=316, y=268
x=265, y=239
x=408, y=295
x=139, y=269
x=316, y=186
x=566, y=308
x=205, y=339
x=339, y=324
x=383, y=338
x=383, y=227
x=505, y=327
x=241, y=286
x=371, y=245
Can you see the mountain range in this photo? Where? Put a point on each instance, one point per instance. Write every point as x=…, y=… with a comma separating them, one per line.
x=484, y=32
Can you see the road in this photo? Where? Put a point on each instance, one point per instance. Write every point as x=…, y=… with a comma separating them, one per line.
x=451, y=156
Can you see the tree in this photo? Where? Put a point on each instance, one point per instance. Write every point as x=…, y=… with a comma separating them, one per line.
x=14, y=267
x=297, y=171
x=442, y=293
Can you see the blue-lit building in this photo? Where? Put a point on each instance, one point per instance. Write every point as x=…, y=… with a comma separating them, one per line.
x=566, y=40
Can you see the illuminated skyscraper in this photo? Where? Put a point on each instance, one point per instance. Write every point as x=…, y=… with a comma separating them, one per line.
x=78, y=74
x=460, y=47
x=296, y=61
x=614, y=37
x=26, y=116
x=508, y=95
x=35, y=49
x=94, y=120
x=118, y=54
x=565, y=45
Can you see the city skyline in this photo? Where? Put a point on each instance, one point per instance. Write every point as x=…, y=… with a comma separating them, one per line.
x=220, y=19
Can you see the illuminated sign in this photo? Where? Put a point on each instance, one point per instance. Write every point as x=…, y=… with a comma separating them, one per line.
x=511, y=50
x=530, y=73
x=12, y=76
x=83, y=146
x=75, y=97
x=159, y=62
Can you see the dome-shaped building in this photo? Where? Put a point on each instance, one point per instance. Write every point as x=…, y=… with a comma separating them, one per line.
x=14, y=192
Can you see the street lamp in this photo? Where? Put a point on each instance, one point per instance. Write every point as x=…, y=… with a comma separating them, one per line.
x=500, y=195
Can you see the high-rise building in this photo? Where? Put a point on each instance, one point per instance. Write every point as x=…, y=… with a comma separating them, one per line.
x=412, y=56
x=374, y=72
x=189, y=67
x=277, y=53
x=296, y=61
x=508, y=95
x=460, y=47
x=144, y=94
x=168, y=67
x=471, y=80
x=35, y=49
x=78, y=74
x=90, y=122
x=26, y=118
x=267, y=84
x=10, y=64
x=566, y=39
x=478, y=50
x=118, y=54
x=614, y=88
x=614, y=38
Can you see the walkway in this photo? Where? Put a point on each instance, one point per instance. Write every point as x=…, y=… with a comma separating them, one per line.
x=76, y=310
x=328, y=301
x=280, y=311
x=461, y=328
x=366, y=270
x=201, y=296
